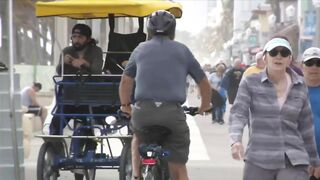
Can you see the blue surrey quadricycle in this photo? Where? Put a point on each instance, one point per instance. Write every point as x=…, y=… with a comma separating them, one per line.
x=97, y=95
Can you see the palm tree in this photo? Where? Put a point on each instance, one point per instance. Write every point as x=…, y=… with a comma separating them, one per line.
x=212, y=39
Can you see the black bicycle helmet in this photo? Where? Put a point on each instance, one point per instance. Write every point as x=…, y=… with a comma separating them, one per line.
x=162, y=22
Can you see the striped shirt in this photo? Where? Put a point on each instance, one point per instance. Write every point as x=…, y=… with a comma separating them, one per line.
x=275, y=131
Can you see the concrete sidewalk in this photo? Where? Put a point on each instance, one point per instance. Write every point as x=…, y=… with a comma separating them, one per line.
x=219, y=165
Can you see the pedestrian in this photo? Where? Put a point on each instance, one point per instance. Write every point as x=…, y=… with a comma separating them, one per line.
x=159, y=69
x=311, y=72
x=258, y=67
x=281, y=143
x=231, y=80
x=29, y=100
x=218, y=94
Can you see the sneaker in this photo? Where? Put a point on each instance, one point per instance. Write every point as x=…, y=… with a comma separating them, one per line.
x=214, y=121
x=136, y=177
x=221, y=122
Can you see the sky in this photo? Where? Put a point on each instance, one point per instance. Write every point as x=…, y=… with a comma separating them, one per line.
x=193, y=16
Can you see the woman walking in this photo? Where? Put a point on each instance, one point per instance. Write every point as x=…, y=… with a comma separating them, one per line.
x=281, y=143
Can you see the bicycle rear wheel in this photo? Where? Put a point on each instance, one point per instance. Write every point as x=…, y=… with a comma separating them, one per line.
x=165, y=170
x=153, y=174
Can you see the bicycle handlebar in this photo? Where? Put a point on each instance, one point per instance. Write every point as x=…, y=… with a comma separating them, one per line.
x=122, y=116
x=190, y=110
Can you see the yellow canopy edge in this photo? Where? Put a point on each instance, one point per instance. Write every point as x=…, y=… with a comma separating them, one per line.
x=88, y=9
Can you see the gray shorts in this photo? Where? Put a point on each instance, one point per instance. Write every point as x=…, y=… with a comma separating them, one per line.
x=36, y=110
x=170, y=115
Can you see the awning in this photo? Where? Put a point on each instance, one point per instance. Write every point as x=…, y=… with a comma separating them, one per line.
x=292, y=32
x=254, y=50
x=88, y=9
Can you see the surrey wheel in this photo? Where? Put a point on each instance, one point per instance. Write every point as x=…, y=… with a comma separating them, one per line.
x=125, y=169
x=45, y=164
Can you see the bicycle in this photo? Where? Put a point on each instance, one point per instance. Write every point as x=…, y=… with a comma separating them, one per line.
x=154, y=165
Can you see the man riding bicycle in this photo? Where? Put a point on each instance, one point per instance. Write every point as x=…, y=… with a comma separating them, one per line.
x=159, y=68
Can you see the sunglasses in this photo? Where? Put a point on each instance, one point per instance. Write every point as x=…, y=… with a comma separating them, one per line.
x=312, y=62
x=283, y=52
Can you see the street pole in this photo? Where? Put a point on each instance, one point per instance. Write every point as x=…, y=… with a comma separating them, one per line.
x=316, y=4
x=12, y=108
x=317, y=39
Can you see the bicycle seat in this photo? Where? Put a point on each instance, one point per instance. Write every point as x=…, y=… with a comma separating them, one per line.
x=153, y=134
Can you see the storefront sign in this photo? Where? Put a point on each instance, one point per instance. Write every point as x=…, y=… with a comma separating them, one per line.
x=310, y=23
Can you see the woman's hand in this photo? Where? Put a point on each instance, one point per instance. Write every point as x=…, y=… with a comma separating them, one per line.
x=314, y=171
x=237, y=151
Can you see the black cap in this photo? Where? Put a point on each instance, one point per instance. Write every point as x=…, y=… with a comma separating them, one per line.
x=82, y=29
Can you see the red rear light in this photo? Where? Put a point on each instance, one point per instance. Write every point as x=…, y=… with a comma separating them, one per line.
x=149, y=161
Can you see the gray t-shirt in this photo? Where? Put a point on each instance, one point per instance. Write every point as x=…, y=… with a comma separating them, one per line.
x=160, y=67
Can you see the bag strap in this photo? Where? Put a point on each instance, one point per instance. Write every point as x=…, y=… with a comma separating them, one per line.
x=140, y=30
x=111, y=22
